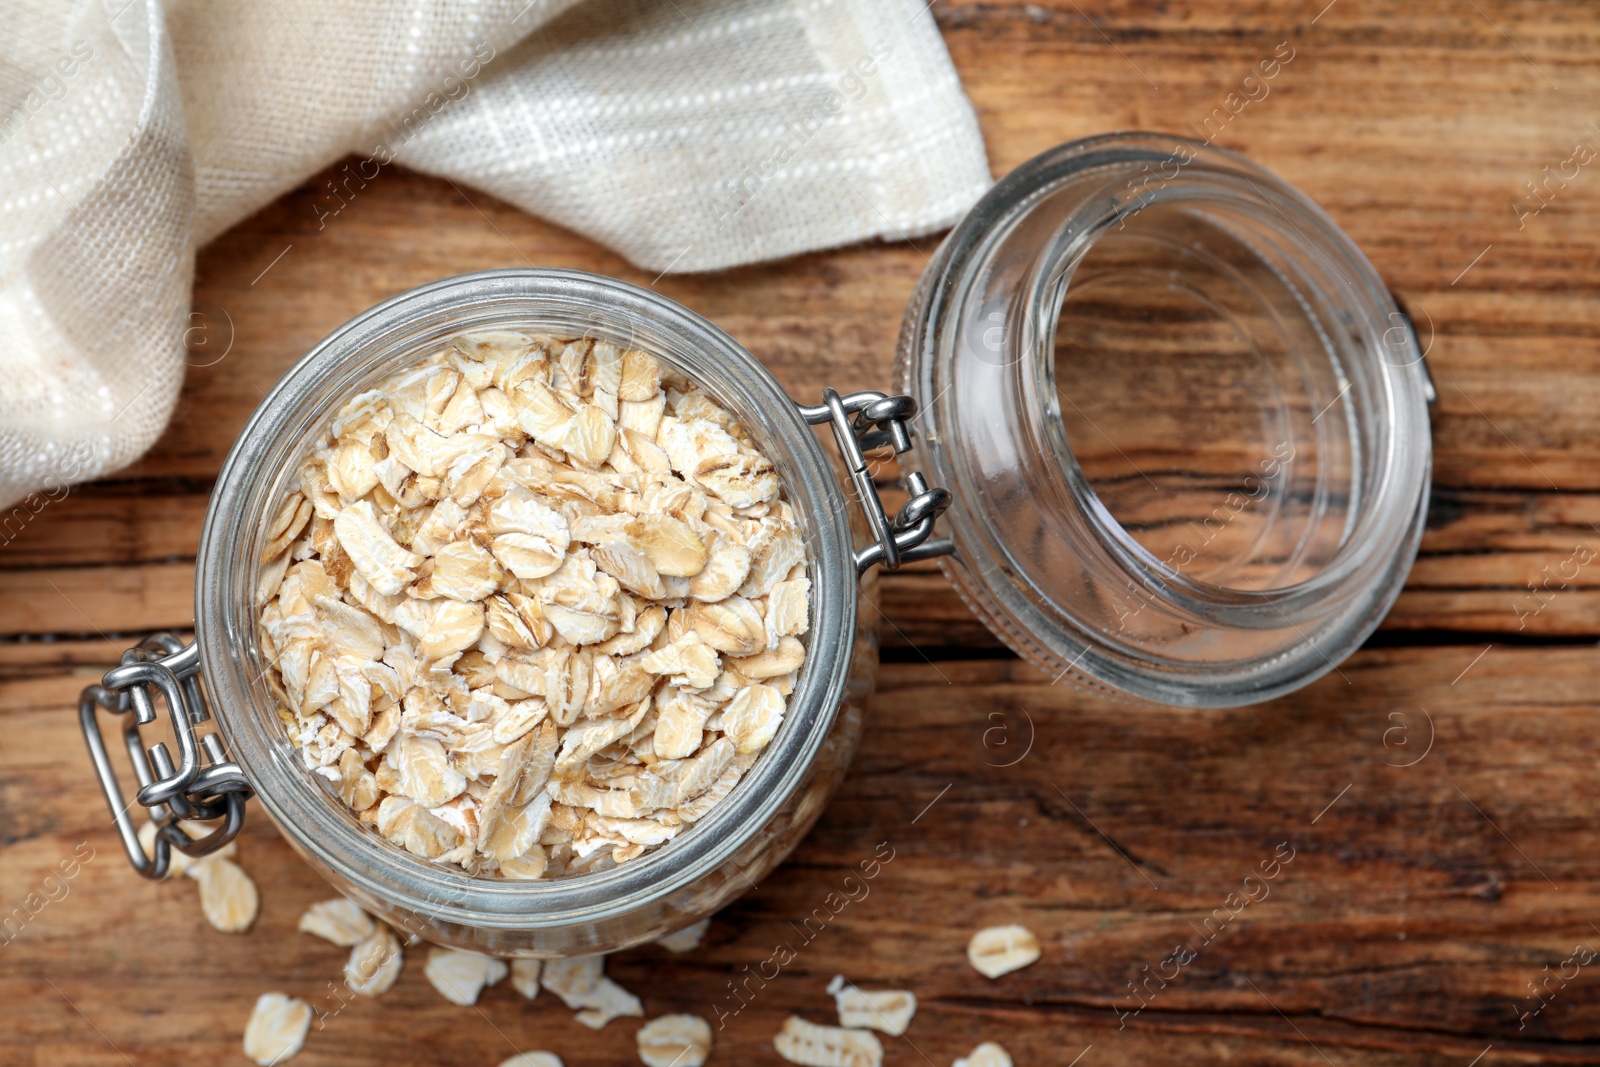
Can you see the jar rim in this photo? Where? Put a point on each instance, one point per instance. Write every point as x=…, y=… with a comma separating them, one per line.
x=302, y=403
x=1001, y=256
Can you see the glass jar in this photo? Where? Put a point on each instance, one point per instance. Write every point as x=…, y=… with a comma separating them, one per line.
x=1186, y=430
x=1184, y=423
x=738, y=842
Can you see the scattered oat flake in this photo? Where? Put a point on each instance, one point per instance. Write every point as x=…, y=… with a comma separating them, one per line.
x=885, y=1010
x=675, y=1041
x=827, y=1046
x=227, y=895
x=573, y=978
x=461, y=976
x=340, y=921
x=533, y=1059
x=998, y=950
x=987, y=1054
x=277, y=1028
x=374, y=964
x=685, y=940
x=525, y=977
x=608, y=1001
x=581, y=984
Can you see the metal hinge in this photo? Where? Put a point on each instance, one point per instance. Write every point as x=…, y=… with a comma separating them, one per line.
x=883, y=420
x=204, y=785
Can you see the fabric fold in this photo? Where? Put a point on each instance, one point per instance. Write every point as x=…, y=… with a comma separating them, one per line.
x=746, y=132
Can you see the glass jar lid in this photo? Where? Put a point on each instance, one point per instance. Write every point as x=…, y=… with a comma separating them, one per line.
x=1183, y=420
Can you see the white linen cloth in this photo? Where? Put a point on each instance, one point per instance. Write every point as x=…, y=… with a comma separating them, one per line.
x=686, y=134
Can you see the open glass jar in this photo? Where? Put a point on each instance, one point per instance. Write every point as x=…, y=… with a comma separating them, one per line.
x=1183, y=420
x=1092, y=256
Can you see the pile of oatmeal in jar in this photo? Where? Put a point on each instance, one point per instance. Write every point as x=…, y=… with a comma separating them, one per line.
x=534, y=605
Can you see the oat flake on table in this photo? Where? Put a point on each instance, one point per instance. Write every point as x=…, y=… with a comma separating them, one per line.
x=987, y=1054
x=534, y=606
x=525, y=976
x=887, y=1010
x=581, y=983
x=807, y=1043
x=228, y=897
x=277, y=1028
x=374, y=964
x=674, y=1041
x=462, y=976
x=998, y=950
x=533, y=1059
x=340, y=921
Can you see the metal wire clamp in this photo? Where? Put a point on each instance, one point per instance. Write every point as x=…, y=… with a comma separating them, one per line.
x=204, y=785
x=883, y=420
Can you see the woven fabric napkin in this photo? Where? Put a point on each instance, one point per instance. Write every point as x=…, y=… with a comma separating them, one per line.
x=686, y=134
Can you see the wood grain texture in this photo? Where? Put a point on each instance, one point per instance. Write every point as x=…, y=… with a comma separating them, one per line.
x=1437, y=790
x=1416, y=904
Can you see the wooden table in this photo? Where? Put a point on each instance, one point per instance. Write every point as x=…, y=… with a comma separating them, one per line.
x=1422, y=902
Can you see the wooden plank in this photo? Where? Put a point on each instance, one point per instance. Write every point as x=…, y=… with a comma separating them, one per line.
x=98, y=601
x=1412, y=913
x=115, y=522
x=1482, y=551
x=35, y=658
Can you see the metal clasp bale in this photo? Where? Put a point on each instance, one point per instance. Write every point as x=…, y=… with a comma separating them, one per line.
x=204, y=785
x=880, y=420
